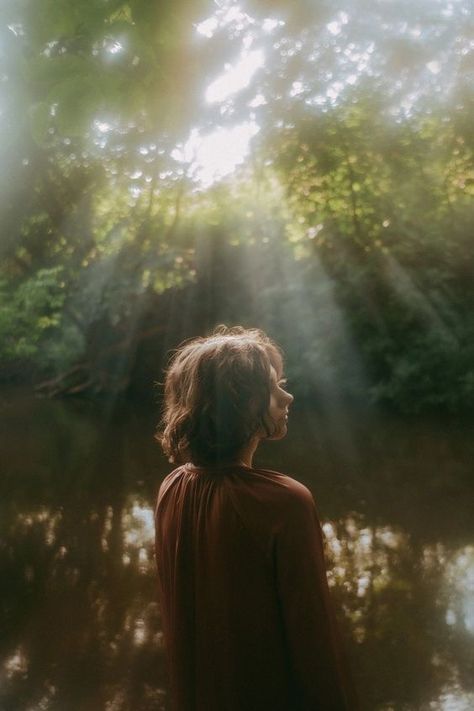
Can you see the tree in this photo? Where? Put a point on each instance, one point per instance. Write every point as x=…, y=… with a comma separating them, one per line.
x=359, y=186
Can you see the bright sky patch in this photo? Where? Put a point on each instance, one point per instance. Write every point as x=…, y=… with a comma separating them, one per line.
x=217, y=154
x=235, y=77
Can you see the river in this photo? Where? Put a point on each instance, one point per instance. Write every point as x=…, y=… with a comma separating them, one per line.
x=79, y=617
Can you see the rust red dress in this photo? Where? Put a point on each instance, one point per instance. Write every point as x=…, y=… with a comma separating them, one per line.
x=246, y=610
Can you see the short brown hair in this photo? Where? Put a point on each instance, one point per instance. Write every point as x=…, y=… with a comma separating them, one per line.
x=217, y=394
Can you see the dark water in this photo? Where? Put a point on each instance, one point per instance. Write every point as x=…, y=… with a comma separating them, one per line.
x=79, y=621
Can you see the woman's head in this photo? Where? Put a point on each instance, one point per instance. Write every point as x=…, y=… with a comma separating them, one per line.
x=217, y=395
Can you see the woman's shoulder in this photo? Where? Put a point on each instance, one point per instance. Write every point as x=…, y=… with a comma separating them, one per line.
x=283, y=482
x=170, y=480
x=269, y=500
x=283, y=491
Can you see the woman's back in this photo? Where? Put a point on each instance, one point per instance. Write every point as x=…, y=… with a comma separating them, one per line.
x=245, y=604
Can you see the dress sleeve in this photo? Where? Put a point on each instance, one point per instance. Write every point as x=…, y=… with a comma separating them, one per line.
x=315, y=650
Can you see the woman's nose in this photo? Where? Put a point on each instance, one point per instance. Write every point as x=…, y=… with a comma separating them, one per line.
x=289, y=398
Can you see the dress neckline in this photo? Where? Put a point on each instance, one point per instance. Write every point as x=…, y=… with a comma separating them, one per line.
x=217, y=467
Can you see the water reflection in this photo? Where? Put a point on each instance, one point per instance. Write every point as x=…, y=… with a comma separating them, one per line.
x=79, y=614
x=89, y=625
x=138, y=531
x=397, y=594
x=454, y=699
x=16, y=664
x=460, y=579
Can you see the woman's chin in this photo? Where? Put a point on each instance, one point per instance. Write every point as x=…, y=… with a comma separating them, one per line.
x=280, y=432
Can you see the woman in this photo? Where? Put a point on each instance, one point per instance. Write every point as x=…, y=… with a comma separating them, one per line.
x=246, y=611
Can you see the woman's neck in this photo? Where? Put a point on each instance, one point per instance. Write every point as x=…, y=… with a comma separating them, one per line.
x=245, y=455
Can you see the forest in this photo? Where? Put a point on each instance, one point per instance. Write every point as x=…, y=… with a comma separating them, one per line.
x=303, y=167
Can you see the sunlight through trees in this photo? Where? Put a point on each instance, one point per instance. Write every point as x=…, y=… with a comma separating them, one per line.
x=323, y=151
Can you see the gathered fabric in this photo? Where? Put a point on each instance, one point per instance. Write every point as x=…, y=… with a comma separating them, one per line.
x=247, y=616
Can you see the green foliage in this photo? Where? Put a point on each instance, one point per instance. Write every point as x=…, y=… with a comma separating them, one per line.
x=347, y=234
x=30, y=313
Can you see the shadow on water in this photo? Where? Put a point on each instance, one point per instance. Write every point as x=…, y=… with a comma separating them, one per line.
x=79, y=617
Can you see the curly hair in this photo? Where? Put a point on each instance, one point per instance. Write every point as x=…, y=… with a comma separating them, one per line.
x=217, y=394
